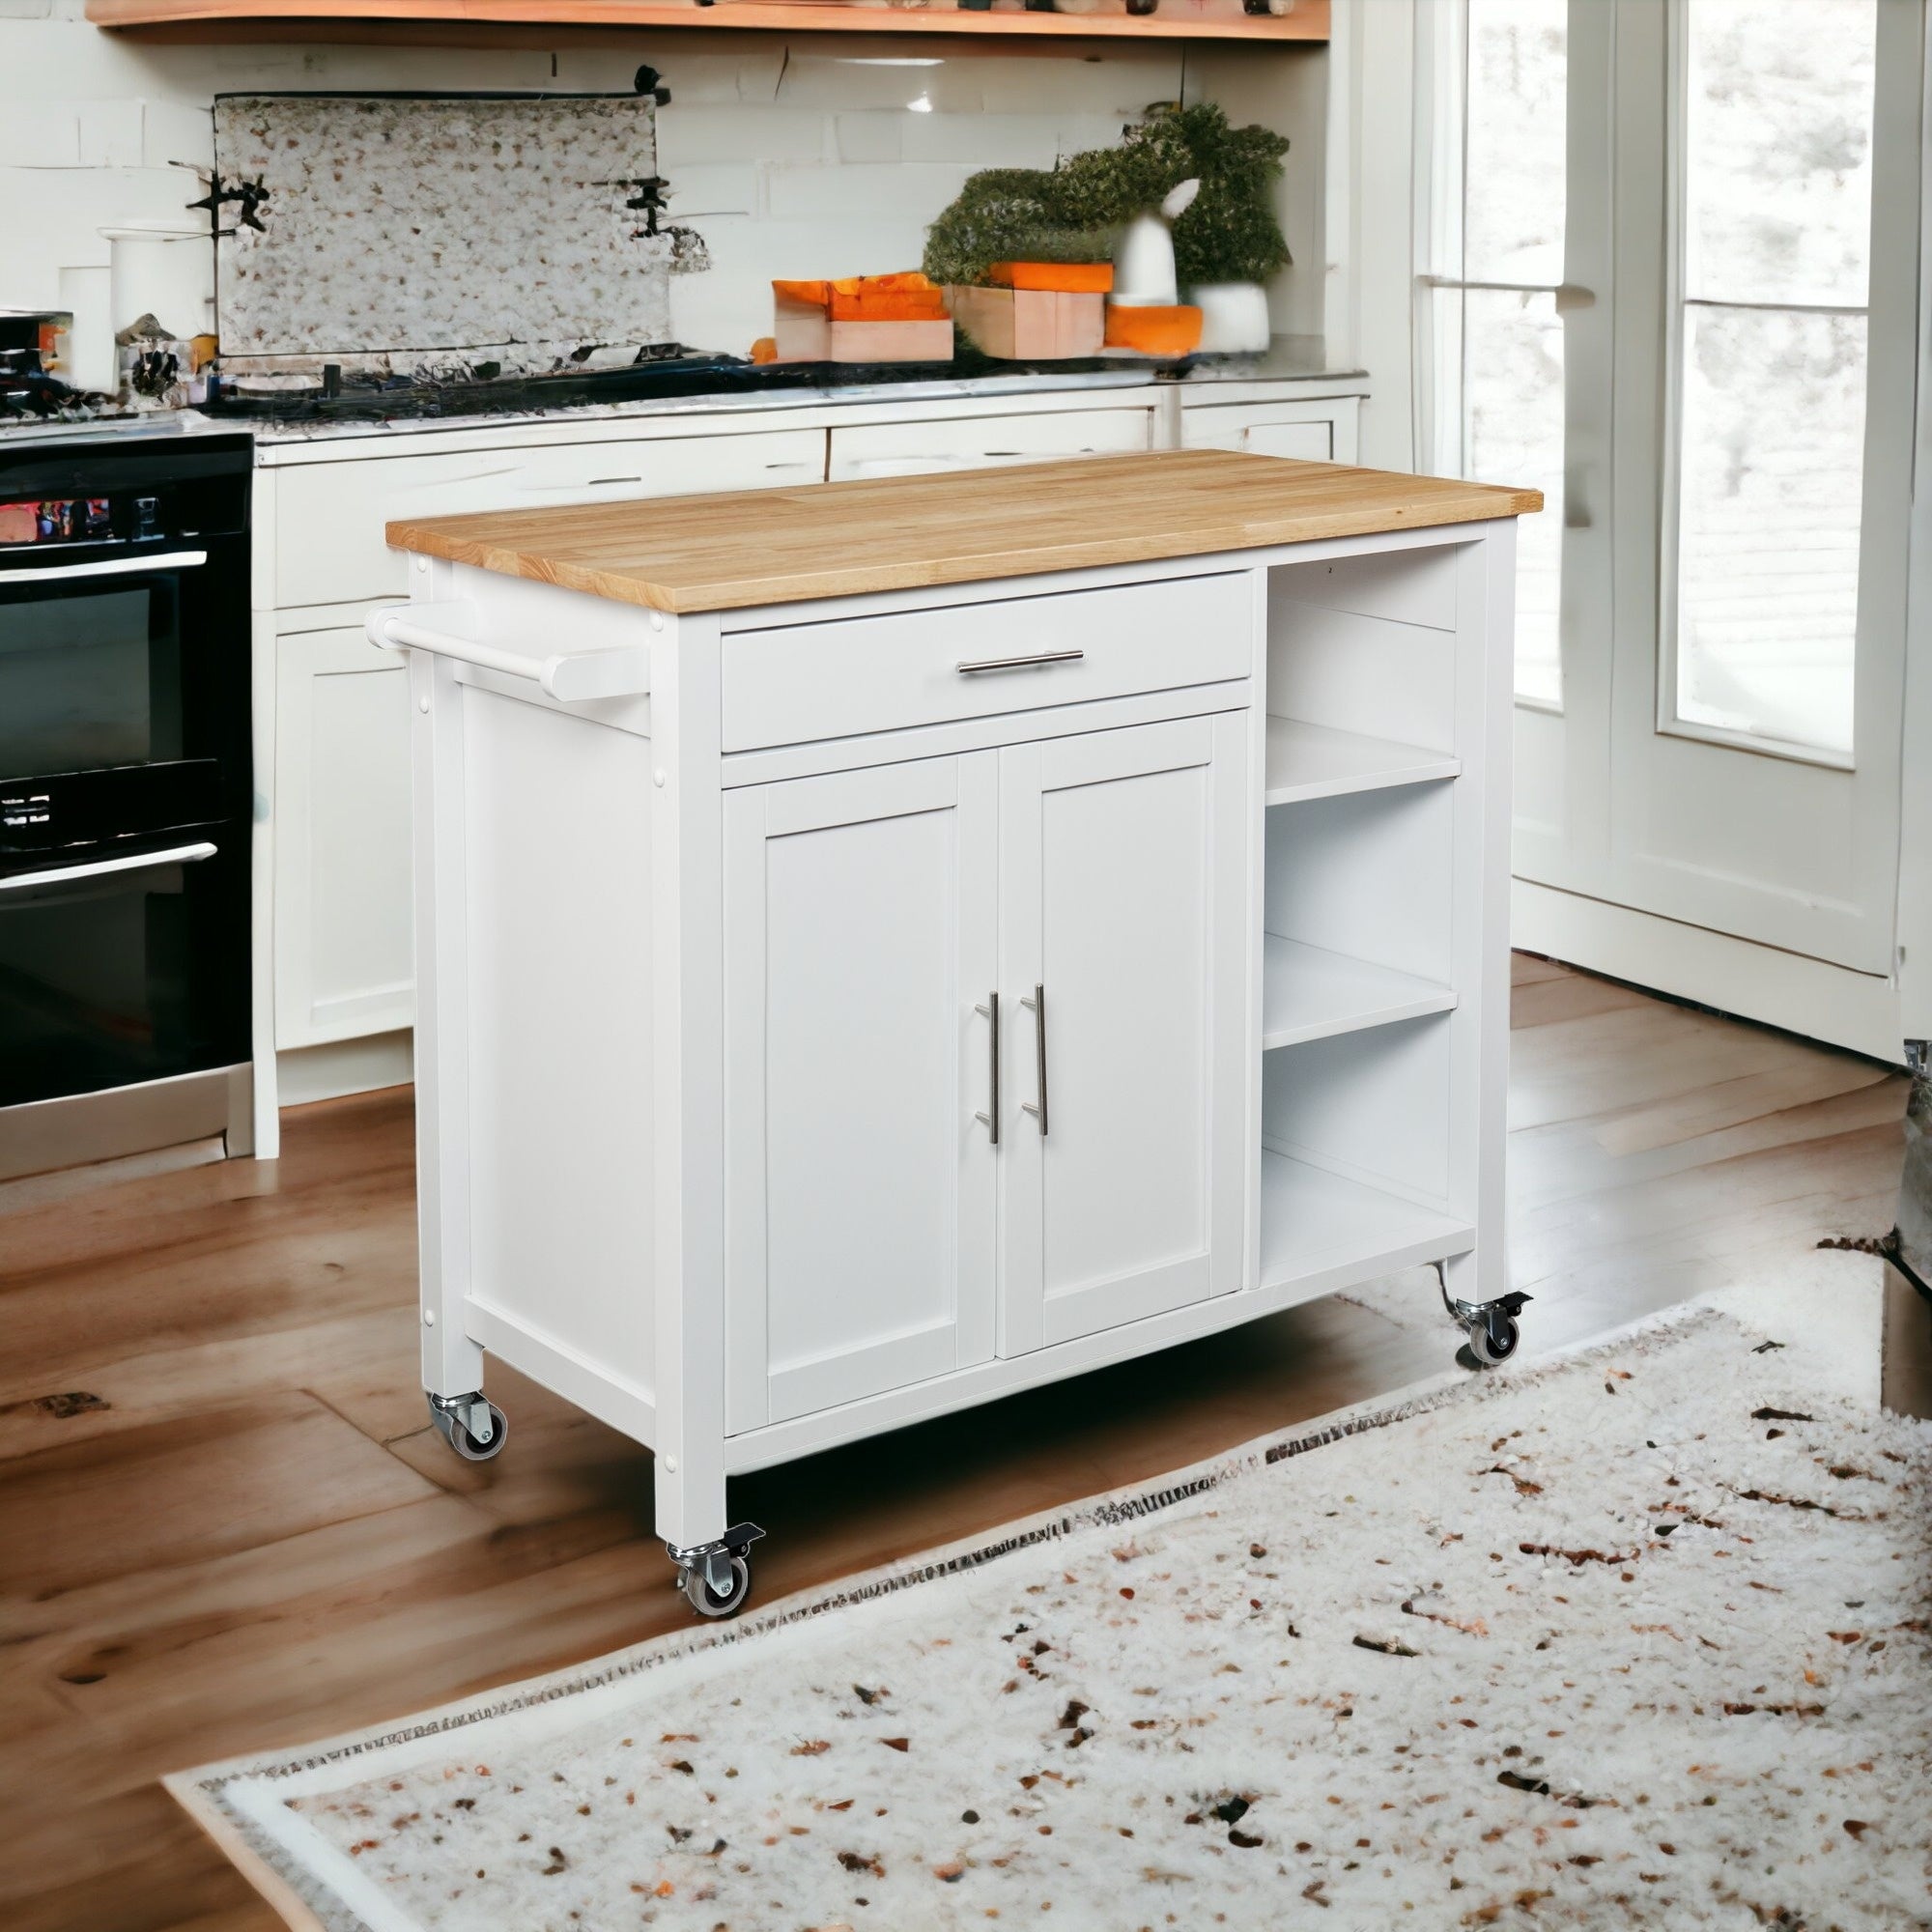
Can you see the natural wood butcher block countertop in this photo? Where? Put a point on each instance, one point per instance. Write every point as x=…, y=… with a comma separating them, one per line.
x=754, y=546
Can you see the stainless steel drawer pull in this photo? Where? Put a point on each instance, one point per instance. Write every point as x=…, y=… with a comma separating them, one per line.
x=991, y=1118
x=1020, y=664
x=1039, y=1004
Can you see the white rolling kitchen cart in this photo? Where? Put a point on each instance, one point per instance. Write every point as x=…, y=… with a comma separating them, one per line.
x=883, y=945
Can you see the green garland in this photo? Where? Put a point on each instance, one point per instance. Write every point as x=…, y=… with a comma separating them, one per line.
x=1076, y=212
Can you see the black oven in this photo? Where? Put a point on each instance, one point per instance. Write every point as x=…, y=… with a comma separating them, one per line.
x=124, y=785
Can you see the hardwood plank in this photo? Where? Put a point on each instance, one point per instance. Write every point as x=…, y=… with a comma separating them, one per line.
x=899, y=532
x=258, y=1540
x=1562, y=995
x=192, y=1487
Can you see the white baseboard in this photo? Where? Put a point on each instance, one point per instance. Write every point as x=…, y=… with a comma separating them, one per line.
x=1856, y=1011
x=346, y=1066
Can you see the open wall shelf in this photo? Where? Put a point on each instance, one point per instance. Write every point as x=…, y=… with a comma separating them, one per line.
x=1307, y=21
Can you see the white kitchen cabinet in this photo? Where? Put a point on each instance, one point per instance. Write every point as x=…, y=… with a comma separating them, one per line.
x=1313, y=431
x=343, y=948
x=858, y=1085
x=1124, y=921
x=873, y=1066
x=329, y=515
x=951, y=442
x=924, y=957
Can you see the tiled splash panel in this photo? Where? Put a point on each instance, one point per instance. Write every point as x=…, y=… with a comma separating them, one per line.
x=471, y=226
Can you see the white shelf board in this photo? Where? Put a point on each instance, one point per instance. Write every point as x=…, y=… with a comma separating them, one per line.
x=1309, y=993
x=1316, y=761
x=1314, y=1222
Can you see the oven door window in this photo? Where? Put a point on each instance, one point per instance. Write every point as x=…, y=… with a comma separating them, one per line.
x=90, y=675
x=108, y=977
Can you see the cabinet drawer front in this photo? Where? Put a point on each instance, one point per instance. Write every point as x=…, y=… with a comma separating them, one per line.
x=1260, y=431
x=797, y=683
x=329, y=516
x=916, y=448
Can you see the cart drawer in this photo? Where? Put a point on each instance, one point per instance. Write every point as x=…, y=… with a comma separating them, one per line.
x=794, y=684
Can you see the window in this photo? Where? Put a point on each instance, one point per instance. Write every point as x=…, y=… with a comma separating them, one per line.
x=1773, y=197
x=1493, y=262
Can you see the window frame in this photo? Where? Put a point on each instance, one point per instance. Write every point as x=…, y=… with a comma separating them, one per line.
x=1676, y=301
x=1438, y=201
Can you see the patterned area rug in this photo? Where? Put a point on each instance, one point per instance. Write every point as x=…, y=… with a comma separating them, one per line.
x=1637, y=1637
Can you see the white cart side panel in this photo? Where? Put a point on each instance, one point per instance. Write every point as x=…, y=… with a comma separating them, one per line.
x=556, y=817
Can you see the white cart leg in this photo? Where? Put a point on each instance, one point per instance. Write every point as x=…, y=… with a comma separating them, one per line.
x=452, y=1363
x=688, y=1042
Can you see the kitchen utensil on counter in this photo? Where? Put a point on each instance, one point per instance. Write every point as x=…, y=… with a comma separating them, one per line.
x=87, y=294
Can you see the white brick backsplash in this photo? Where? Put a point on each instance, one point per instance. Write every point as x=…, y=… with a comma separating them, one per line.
x=33, y=135
x=1020, y=140
x=738, y=132
x=110, y=135
x=884, y=77
x=916, y=190
x=174, y=130
x=53, y=221
x=874, y=135
x=720, y=189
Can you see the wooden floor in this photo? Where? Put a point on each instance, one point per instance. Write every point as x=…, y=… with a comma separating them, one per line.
x=224, y=1526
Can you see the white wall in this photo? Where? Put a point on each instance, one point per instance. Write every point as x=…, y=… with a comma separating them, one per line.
x=793, y=158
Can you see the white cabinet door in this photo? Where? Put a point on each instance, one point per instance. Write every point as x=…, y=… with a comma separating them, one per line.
x=344, y=949
x=1123, y=887
x=860, y=923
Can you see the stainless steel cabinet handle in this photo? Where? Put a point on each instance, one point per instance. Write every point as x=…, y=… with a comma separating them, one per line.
x=60, y=876
x=107, y=566
x=1039, y=1004
x=991, y=1118
x=1020, y=664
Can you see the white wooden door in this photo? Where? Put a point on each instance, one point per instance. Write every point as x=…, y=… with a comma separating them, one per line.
x=343, y=951
x=1123, y=874
x=1699, y=352
x=860, y=923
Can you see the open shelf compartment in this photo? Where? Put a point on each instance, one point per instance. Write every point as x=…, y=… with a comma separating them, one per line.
x=1310, y=993
x=1356, y=1163
x=1316, y=1223
x=1308, y=761
x=1361, y=673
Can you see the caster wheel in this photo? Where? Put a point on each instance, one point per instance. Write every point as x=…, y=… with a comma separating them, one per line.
x=1493, y=1341
x=708, y=1602
x=453, y=1427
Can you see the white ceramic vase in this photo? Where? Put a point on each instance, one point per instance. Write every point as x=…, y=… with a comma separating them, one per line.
x=1144, y=262
x=163, y=269
x=1234, y=318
